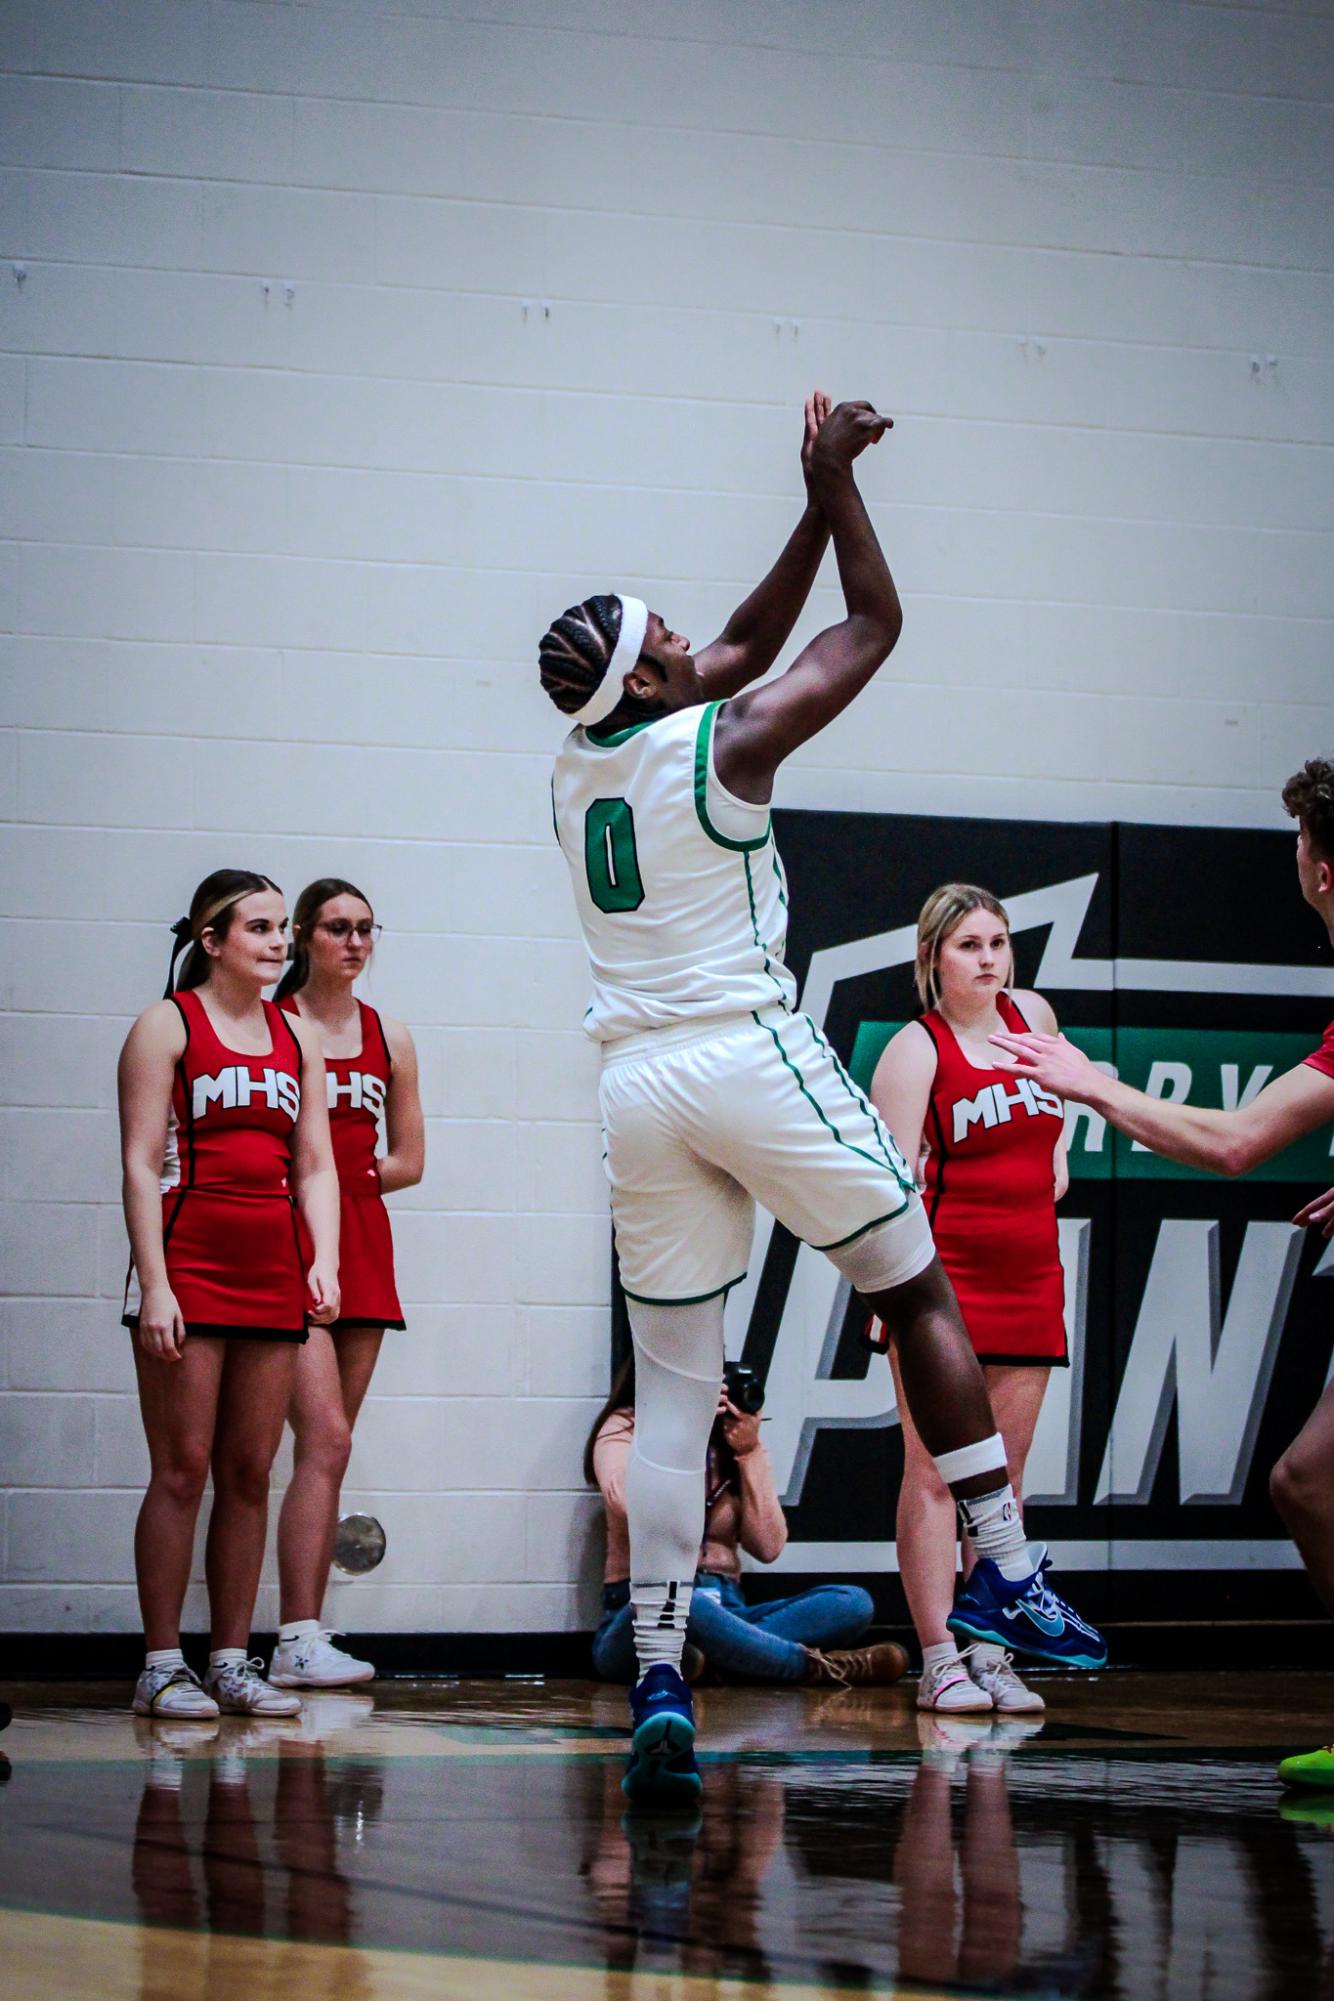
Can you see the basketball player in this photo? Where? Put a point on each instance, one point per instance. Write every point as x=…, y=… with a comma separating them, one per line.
x=714, y=1093
x=370, y=1068
x=217, y=1135
x=1299, y=1102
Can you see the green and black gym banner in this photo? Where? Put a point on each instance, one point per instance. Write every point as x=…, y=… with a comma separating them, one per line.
x=1200, y=1321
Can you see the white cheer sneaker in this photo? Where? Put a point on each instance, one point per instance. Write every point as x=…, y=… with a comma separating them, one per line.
x=174, y=1692
x=948, y=1688
x=1008, y=1694
x=312, y=1661
x=241, y=1690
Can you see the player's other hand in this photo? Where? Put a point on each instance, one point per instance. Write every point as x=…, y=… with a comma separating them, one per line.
x=1320, y=1212
x=817, y=410
x=843, y=436
x=322, y=1285
x=1055, y=1063
x=161, y=1325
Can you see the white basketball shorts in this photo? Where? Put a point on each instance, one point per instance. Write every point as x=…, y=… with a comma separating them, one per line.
x=704, y=1120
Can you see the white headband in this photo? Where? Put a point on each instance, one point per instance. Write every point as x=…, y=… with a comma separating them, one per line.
x=629, y=646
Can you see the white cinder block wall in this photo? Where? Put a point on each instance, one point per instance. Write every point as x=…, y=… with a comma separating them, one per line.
x=343, y=345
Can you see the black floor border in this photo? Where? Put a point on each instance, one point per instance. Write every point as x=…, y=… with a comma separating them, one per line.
x=1212, y=1645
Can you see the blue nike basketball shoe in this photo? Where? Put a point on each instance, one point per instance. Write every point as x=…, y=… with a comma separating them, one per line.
x=1025, y=1616
x=662, y=1769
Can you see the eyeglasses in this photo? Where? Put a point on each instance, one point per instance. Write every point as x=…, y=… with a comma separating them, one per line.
x=339, y=927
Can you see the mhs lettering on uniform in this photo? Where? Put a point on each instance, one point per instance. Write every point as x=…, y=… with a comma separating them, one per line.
x=360, y=1090
x=235, y=1086
x=993, y=1106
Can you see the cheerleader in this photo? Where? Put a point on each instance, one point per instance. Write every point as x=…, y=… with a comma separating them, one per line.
x=223, y=1122
x=371, y=1067
x=995, y=1169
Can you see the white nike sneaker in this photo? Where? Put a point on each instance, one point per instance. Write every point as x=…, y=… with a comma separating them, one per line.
x=312, y=1661
x=241, y=1690
x=949, y=1688
x=175, y=1692
x=1008, y=1694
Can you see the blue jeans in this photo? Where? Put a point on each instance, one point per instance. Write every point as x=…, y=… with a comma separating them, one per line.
x=751, y=1642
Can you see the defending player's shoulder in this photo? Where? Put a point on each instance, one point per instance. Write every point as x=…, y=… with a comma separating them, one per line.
x=1037, y=1012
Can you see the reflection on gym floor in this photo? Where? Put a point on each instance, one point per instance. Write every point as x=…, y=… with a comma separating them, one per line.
x=472, y=1839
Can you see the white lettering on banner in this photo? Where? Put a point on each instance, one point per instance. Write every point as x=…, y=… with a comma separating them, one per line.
x=1166, y=1080
x=237, y=1086
x=362, y=1090
x=1214, y=1367
x=1234, y=1098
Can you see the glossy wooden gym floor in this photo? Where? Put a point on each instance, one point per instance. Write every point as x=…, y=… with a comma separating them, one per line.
x=459, y=1839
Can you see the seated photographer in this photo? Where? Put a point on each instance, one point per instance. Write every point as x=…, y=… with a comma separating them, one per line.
x=803, y=1639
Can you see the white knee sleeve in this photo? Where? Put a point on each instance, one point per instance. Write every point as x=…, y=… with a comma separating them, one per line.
x=678, y=1374
x=889, y=1254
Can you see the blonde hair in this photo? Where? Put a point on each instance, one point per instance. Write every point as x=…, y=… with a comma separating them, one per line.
x=941, y=914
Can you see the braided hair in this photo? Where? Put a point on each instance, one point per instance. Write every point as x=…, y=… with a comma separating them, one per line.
x=575, y=652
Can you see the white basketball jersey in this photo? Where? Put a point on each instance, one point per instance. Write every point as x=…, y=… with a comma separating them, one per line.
x=678, y=883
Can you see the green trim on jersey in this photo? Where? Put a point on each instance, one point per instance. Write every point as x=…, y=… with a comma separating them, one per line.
x=695, y=1299
x=763, y=948
x=881, y=1166
x=603, y=741
x=702, y=742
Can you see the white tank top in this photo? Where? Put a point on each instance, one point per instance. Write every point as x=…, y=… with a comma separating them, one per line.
x=678, y=883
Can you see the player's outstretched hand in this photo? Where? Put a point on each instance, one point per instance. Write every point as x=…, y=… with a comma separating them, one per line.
x=818, y=407
x=1056, y=1064
x=844, y=435
x=1320, y=1213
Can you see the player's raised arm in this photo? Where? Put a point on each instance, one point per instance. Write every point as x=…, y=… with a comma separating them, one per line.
x=757, y=731
x=758, y=629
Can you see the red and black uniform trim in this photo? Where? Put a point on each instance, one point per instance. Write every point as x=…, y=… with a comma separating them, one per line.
x=229, y=1226
x=990, y=1198
x=358, y=1088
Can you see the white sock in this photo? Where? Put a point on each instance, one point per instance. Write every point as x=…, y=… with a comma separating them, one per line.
x=226, y=1656
x=167, y=1657
x=937, y=1656
x=984, y=1654
x=996, y=1527
x=660, y=1615
x=298, y=1629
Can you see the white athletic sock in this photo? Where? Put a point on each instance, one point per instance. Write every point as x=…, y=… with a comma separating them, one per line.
x=660, y=1615
x=226, y=1656
x=985, y=1654
x=678, y=1374
x=167, y=1657
x=997, y=1530
x=937, y=1656
x=298, y=1629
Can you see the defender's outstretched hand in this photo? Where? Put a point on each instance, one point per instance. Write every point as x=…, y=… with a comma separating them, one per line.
x=843, y=436
x=1055, y=1063
x=1320, y=1213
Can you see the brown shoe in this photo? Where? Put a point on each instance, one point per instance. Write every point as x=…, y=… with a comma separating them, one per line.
x=857, y=1665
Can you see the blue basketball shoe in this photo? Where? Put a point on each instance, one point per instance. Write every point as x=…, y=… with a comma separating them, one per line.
x=1026, y=1616
x=662, y=1769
